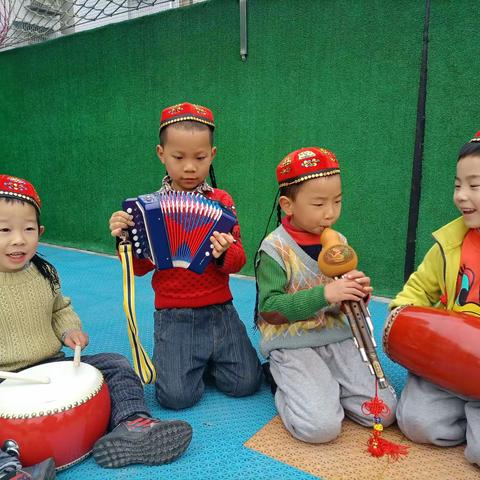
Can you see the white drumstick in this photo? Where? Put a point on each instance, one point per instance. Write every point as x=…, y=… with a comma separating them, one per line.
x=25, y=378
x=76, y=356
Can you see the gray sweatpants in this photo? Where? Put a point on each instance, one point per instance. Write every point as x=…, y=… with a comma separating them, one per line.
x=427, y=413
x=317, y=387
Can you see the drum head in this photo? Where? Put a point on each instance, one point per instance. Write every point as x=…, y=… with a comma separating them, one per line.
x=69, y=387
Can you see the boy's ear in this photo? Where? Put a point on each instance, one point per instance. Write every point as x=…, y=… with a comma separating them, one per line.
x=41, y=230
x=160, y=153
x=214, y=152
x=285, y=204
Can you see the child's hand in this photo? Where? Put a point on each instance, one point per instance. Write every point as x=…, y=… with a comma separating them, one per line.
x=221, y=243
x=353, y=285
x=76, y=337
x=120, y=221
x=361, y=278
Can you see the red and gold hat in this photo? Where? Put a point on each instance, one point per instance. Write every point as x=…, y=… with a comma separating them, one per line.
x=306, y=163
x=13, y=187
x=186, y=111
x=476, y=138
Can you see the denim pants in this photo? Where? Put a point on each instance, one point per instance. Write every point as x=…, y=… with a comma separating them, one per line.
x=191, y=341
x=124, y=385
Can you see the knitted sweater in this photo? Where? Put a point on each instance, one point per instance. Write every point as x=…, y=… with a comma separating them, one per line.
x=293, y=312
x=32, y=319
x=182, y=288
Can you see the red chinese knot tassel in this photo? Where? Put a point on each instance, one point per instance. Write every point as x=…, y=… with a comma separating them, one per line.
x=377, y=446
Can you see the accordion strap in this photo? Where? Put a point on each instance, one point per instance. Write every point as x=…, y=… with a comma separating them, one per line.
x=141, y=362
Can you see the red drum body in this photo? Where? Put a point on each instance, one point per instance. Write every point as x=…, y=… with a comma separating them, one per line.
x=440, y=346
x=61, y=419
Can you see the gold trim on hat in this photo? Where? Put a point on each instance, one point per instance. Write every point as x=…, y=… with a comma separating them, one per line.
x=27, y=198
x=186, y=118
x=309, y=177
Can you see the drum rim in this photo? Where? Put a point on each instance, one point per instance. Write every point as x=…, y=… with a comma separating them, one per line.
x=388, y=327
x=74, y=462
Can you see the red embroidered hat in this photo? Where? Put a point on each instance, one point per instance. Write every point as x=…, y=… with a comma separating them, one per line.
x=476, y=138
x=306, y=163
x=13, y=187
x=186, y=111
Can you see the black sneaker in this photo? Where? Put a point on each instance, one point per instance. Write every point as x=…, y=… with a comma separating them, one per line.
x=143, y=440
x=41, y=471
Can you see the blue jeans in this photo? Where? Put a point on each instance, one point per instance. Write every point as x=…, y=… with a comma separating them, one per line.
x=124, y=385
x=188, y=340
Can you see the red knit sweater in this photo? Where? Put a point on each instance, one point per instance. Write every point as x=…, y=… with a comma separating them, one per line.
x=182, y=288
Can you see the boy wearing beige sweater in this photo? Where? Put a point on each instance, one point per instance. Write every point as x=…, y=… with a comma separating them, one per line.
x=36, y=320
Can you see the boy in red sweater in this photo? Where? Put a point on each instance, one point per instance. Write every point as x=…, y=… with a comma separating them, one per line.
x=197, y=328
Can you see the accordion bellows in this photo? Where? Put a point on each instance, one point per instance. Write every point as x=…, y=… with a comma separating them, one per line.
x=173, y=229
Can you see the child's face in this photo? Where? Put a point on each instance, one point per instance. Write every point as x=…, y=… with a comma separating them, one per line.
x=467, y=190
x=187, y=156
x=317, y=204
x=19, y=235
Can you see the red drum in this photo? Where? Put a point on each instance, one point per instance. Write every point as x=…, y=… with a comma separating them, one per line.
x=439, y=345
x=61, y=419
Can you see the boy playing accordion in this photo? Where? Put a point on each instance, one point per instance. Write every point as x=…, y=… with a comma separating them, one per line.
x=197, y=329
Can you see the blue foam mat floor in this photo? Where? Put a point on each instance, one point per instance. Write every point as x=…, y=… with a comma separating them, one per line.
x=220, y=424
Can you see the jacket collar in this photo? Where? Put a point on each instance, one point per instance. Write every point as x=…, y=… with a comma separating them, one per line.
x=452, y=234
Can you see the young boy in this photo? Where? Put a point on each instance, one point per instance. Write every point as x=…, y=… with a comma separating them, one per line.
x=440, y=281
x=36, y=320
x=317, y=368
x=196, y=325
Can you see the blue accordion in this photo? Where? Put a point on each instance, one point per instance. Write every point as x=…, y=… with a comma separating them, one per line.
x=173, y=229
